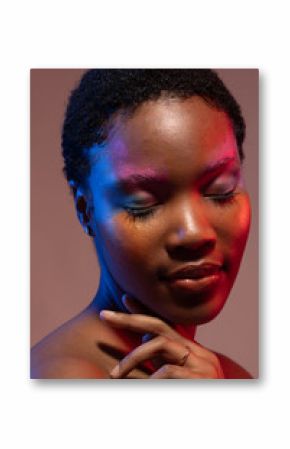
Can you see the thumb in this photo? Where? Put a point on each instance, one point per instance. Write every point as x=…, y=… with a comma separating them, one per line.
x=134, y=306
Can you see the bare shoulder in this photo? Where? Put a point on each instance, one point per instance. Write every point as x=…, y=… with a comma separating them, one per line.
x=231, y=369
x=66, y=367
x=68, y=353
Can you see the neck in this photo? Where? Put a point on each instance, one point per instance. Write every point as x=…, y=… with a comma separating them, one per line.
x=108, y=297
x=187, y=331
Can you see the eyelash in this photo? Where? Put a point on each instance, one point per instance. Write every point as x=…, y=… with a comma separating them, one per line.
x=143, y=213
x=140, y=214
x=223, y=200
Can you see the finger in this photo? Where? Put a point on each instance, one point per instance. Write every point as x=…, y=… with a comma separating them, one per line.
x=134, y=306
x=176, y=372
x=169, y=350
x=204, y=353
x=138, y=323
x=150, y=325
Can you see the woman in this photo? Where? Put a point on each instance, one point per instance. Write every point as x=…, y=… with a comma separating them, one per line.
x=154, y=161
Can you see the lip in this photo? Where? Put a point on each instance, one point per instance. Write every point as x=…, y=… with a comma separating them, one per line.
x=195, y=271
x=195, y=277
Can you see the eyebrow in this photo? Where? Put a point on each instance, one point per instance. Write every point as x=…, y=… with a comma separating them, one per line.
x=155, y=180
x=141, y=180
x=217, y=166
x=215, y=169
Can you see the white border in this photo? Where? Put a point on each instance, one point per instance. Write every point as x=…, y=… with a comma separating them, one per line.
x=151, y=34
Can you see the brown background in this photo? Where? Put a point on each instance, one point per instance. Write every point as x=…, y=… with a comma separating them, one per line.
x=64, y=267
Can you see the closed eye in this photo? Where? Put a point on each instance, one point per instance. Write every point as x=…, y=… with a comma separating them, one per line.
x=223, y=198
x=223, y=188
x=141, y=205
x=141, y=212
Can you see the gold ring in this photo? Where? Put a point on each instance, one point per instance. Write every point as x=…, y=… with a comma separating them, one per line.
x=184, y=358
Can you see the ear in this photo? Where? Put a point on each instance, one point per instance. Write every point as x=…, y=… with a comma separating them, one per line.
x=83, y=208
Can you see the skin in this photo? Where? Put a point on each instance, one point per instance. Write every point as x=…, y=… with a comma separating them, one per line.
x=188, y=205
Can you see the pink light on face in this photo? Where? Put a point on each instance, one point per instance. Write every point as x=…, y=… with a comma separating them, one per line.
x=142, y=179
x=154, y=191
x=127, y=172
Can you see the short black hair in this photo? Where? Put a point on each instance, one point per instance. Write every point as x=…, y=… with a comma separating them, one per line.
x=103, y=92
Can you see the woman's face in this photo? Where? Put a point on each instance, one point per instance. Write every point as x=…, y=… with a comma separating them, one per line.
x=170, y=212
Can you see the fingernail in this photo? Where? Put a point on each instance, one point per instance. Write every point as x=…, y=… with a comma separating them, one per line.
x=124, y=300
x=115, y=371
x=124, y=297
x=107, y=314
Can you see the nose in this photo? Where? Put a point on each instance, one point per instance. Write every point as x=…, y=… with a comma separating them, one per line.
x=192, y=235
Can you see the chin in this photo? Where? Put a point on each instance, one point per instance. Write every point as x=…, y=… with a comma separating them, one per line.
x=199, y=314
x=182, y=304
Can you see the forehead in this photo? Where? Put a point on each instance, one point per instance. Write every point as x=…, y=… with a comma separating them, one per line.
x=172, y=136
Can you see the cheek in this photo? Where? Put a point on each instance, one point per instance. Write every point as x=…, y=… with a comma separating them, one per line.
x=234, y=229
x=128, y=252
x=126, y=244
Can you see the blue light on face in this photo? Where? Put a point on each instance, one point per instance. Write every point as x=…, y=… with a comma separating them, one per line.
x=101, y=177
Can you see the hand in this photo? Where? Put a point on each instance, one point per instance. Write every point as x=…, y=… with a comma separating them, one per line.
x=180, y=358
